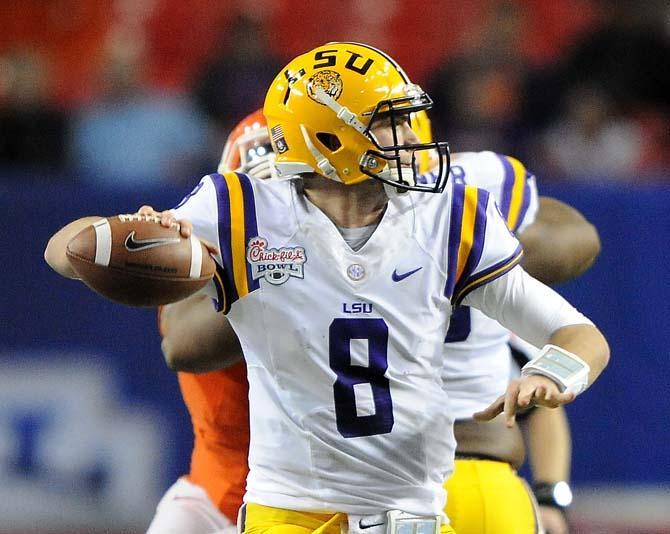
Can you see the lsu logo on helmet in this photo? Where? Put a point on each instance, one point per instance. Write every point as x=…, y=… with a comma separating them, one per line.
x=326, y=103
x=328, y=80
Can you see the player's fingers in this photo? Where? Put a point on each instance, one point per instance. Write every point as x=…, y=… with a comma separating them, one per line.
x=146, y=210
x=185, y=226
x=526, y=395
x=510, y=405
x=549, y=393
x=211, y=247
x=545, y=395
x=491, y=411
x=555, y=399
x=563, y=398
x=538, y=394
x=168, y=220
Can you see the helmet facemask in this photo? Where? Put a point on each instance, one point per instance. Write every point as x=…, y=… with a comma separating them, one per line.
x=402, y=175
x=385, y=164
x=257, y=158
x=323, y=110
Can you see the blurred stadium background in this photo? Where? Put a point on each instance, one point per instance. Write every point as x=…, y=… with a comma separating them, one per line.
x=109, y=104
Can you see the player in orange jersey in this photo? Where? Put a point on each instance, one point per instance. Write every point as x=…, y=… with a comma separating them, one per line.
x=206, y=500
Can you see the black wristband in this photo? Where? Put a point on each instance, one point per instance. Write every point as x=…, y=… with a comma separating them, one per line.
x=555, y=494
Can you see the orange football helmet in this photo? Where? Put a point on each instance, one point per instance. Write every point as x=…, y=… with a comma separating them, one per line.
x=248, y=148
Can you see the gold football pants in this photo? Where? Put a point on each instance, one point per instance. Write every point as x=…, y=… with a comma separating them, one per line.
x=258, y=519
x=488, y=497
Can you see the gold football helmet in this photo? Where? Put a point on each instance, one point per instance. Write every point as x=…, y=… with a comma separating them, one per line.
x=321, y=110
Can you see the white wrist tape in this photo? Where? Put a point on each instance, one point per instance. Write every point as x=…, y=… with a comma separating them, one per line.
x=568, y=370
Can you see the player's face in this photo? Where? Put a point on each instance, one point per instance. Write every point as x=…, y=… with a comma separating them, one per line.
x=383, y=132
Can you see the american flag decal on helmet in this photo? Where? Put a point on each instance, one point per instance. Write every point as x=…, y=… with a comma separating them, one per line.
x=278, y=138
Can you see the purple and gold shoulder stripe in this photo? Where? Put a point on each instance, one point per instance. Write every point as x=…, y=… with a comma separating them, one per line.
x=467, y=236
x=237, y=225
x=516, y=192
x=485, y=276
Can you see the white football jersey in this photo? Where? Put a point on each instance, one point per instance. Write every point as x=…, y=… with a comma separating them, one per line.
x=343, y=348
x=477, y=355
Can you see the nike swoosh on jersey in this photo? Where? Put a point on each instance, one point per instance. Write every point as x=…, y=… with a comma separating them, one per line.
x=397, y=277
x=133, y=245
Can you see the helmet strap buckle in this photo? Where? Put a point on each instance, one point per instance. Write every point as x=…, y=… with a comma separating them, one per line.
x=322, y=162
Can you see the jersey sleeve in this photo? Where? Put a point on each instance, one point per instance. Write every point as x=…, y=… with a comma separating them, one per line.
x=518, y=198
x=223, y=211
x=506, y=178
x=480, y=247
x=526, y=306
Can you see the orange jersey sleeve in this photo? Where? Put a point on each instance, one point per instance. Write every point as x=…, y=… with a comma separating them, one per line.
x=219, y=408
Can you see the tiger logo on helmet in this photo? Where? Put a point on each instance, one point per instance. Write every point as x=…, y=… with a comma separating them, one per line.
x=324, y=105
x=329, y=81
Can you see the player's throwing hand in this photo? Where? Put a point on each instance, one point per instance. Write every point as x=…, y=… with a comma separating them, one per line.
x=168, y=219
x=534, y=390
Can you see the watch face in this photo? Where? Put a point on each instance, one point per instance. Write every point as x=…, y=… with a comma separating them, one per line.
x=556, y=494
x=562, y=494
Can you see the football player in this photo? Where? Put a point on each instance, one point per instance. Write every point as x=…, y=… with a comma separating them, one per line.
x=339, y=279
x=326, y=88
x=547, y=437
x=560, y=244
x=208, y=498
x=574, y=246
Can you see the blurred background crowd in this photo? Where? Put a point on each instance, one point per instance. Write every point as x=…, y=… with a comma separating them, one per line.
x=145, y=91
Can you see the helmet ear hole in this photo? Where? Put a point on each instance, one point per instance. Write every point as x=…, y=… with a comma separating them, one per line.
x=330, y=141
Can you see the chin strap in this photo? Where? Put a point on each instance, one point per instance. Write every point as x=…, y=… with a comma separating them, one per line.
x=391, y=174
x=322, y=162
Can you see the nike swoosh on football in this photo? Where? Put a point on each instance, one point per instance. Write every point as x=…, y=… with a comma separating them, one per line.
x=397, y=277
x=133, y=245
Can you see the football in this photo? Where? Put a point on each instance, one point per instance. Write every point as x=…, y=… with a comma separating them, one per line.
x=133, y=260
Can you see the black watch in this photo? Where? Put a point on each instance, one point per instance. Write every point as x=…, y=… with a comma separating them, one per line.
x=555, y=494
